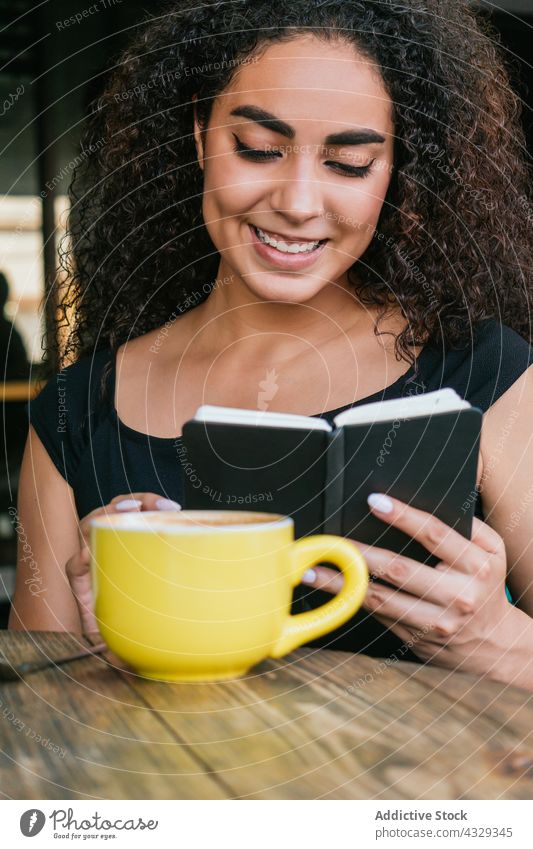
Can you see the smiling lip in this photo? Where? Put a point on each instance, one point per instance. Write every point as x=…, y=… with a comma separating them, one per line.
x=287, y=262
x=281, y=238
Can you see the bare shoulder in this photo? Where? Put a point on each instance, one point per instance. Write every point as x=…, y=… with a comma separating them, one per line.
x=511, y=413
x=506, y=443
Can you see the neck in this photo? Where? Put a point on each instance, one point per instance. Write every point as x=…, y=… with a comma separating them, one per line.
x=232, y=313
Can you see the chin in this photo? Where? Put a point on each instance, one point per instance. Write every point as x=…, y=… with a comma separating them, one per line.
x=292, y=289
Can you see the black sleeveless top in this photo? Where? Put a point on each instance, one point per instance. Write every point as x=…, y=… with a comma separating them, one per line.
x=101, y=457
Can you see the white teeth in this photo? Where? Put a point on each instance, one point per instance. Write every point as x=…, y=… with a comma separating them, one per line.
x=293, y=248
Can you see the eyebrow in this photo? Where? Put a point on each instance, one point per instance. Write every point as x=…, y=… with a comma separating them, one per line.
x=270, y=122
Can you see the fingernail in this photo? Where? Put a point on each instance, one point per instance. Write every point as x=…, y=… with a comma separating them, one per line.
x=381, y=503
x=167, y=504
x=128, y=504
x=309, y=576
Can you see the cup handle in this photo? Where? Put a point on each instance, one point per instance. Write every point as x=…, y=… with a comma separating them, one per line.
x=306, y=553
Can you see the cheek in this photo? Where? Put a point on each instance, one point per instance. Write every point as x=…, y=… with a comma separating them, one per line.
x=227, y=192
x=360, y=212
x=372, y=205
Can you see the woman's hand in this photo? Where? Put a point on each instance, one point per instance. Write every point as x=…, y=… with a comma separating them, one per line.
x=455, y=614
x=78, y=567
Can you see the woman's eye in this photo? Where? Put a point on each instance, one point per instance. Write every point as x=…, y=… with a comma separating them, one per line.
x=257, y=155
x=253, y=152
x=353, y=170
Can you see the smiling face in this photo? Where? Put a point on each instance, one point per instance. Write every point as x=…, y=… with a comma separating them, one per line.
x=319, y=122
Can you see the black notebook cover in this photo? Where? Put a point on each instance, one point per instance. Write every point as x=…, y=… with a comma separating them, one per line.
x=322, y=479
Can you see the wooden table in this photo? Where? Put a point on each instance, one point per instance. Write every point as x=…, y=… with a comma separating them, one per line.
x=317, y=724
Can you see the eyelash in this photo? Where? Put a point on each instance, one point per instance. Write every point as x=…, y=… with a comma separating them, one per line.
x=256, y=155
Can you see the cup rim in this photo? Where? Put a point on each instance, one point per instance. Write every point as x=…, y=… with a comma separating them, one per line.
x=130, y=522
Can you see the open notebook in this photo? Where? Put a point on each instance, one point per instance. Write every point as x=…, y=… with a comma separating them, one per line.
x=422, y=449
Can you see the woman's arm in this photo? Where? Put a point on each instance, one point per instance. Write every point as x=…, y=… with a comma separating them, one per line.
x=507, y=483
x=53, y=589
x=456, y=614
x=47, y=530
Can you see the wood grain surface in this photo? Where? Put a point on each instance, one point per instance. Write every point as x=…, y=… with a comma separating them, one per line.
x=317, y=724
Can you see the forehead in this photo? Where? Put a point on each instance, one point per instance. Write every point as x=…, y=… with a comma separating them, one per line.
x=306, y=82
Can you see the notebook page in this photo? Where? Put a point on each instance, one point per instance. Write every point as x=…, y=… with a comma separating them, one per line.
x=236, y=415
x=432, y=403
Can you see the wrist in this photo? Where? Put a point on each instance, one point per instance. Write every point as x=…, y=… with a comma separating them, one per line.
x=510, y=658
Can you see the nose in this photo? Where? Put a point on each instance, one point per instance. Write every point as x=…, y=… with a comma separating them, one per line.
x=298, y=194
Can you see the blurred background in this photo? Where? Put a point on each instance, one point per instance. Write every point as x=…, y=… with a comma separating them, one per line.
x=54, y=57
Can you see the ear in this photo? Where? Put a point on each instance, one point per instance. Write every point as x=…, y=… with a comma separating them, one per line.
x=198, y=139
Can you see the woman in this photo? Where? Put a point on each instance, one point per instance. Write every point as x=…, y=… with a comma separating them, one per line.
x=309, y=215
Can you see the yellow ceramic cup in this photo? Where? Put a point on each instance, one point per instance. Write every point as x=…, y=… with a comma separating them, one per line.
x=203, y=595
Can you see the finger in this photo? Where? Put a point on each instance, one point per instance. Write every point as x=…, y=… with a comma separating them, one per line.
x=412, y=637
x=437, y=537
x=133, y=502
x=409, y=611
x=78, y=573
x=79, y=564
x=148, y=501
x=79, y=577
x=486, y=537
x=84, y=526
x=323, y=578
x=442, y=585
x=417, y=641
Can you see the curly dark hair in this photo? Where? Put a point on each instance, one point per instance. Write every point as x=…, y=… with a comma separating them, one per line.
x=457, y=209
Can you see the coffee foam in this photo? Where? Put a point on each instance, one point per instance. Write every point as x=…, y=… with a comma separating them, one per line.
x=186, y=520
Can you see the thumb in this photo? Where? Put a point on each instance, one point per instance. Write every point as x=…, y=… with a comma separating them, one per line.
x=79, y=564
x=79, y=576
